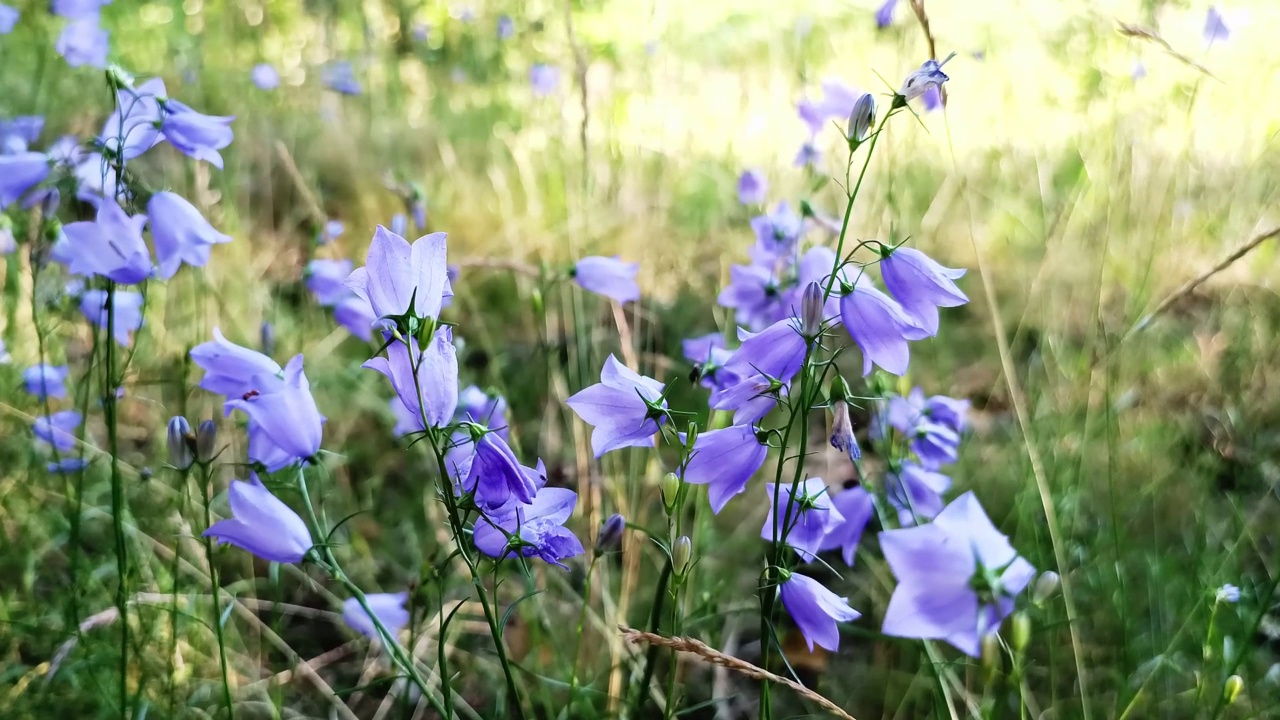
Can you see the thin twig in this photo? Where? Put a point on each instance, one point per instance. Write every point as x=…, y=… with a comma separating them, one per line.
x=318, y=215
x=1146, y=34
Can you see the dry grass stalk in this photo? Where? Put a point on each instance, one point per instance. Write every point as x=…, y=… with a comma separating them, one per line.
x=1146, y=34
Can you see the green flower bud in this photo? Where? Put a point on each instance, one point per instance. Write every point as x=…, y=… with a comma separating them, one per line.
x=1232, y=689
x=1021, y=635
x=682, y=556
x=670, y=492
x=1045, y=587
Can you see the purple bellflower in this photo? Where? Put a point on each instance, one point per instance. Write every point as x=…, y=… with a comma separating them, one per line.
x=1215, y=26
x=126, y=306
x=400, y=278
x=19, y=133
x=84, y=42
x=544, y=79
x=387, y=607
x=340, y=77
x=857, y=506
x=957, y=577
x=498, y=480
x=111, y=246
x=284, y=424
x=8, y=18
x=180, y=233
x=264, y=76
x=476, y=405
x=426, y=380
x=533, y=530
x=325, y=279
x=921, y=285
x=95, y=180
x=948, y=412
x=753, y=187
x=778, y=232
x=233, y=370
x=708, y=352
x=903, y=413
x=842, y=437
x=56, y=429
x=356, y=315
x=755, y=294
x=262, y=525
x=812, y=516
x=928, y=75
x=815, y=610
x=19, y=173
x=133, y=127
x=724, y=460
x=618, y=408
x=836, y=104
x=776, y=352
x=936, y=445
x=931, y=99
x=880, y=327
x=46, y=381
x=916, y=493
x=751, y=397
x=608, y=276
x=884, y=13
x=196, y=135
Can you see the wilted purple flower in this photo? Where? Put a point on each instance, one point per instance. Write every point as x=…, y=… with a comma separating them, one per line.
x=778, y=232
x=608, y=276
x=776, y=352
x=807, y=156
x=284, y=424
x=936, y=445
x=56, y=429
x=533, y=530
x=880, y=327
x=928, y=75
x=957, y=577
x=234, y=371
x=1215, y=26
x=46, y=381
x=496, y=477
x=752, y=187
x=132, y=128
x=751, y=397
x=67, y=465
x=921, y=285
x=332, y=230
x=8, y=18
x=425, y=380
x=196, y=135
x=388, y=608
x=126, y=306
x=180, y=233
x=842, y=437
x=619, y=408
x=84, y=42
x=18, y=133
x=356, y=315
x=262, y=525
x=78, y=8
x=400, y=278
x=111, y=246
x=857, y=506
x=815, y=610
x=19, y=173
x=811, y=516
x=265, y=76
x=326, y=280
x=339, y=76
x=725, y=460
x=884, y=13
x=506, y=27
x=544, y=79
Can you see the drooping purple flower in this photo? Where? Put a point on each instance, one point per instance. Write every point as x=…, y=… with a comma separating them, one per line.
x=880, y=327
x=340, y=77
x=619, y=408
x=67, y=465
x=262, y=524
x=233, y=370
x=756, y=296
x=19, y=173
x=326, y=279
x=957, y=577
x=835, y=104
x=544, y=79
x=807, y=156
x=884, y=13
x=842, y=437
x=724, y=460
x=356, y=315
x=498, y=480
x=19, y=133
x=388, y=608
x=57, y=429
x=815, y=610
x=753, y=187
x=196, y=135
x=46, y=381
x=180, y=233
x=84, y=42
x=776, y=352
x=400, y=278
x=284, y=424
x=856, y=506
x=921, y=285
x=608, y=276
x=803, y=519
x=426, y=380
x=533, y=530
x=928, y=75
x=132, y=128
x=506, y=27
x=751, y=397
x=1215, y=26
x=931, y=99
x=264, y=76
x=78, y=8
x=936, y=445
x=916, y=493
x=126, y=307
x=111, y=246
x=8, y=18
x=778, y=232
x=709, y=353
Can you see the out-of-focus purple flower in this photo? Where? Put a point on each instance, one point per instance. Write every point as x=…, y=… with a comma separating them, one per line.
x=132, y=128
x=425, y=380
x=533, y=530
x=126, y=306
x=753, y=186
x=111, y=246
x=936, y=445
x=356, y=315
x=926, y=76
x=400, y=278
x=67, y=465
x=1227, y=594
x=709, y=353
x=506, y=27
x=419, y=211
x=8, y=18
x=261, y=524
x=180, y=233
x=724, y=460
x=815, y=610
x=8, y=243
x=778, y=232
x=325, y=279
x=903, y=413
x=57, y=429
x=884, y=13
x=807, y=156
x=46, y=381
x=916, y=493
x=618, y=408
x=496, y=477
x=880, y=327
x=931, y=99
x=949, y=412
x=544, y=79
x=811, y=516
x=1215, y=26
x=957, y=577
x=776, y=352
x=5, y=358
x=96, y=180
x=399, y=224
x=857, y=506
x=608, y=276
x=421, y=31
x=84, y=42
x=836, y=104
x=388, y=608
x=284, y=424
x=17, y=134
x=921, y=285
x=340, y=77
x=19, y=173
x=264, y=76
x=196, y=135
x=66, y=151
x=78, y=8
x=476, y=405
x=756, y=296
x=267, y=337
x=332, y=230
x=233, y=370
x=751, y=397
x=1139, y=71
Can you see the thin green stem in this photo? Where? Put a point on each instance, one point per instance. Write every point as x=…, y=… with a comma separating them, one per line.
x=655, y=624
x=117, y=499
x=206, y=472
x=582, y=623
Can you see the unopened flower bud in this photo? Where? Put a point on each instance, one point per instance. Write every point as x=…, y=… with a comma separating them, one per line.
x=1232, y=689
x=267, y=338
x=610, y=537
x=181, y=442
x=1021, y=635
x=1045, y=587
x=207, y=441
x=811, y=311
x=670, y=492
x=861, y=119
x=991, y=652
x=682, y=555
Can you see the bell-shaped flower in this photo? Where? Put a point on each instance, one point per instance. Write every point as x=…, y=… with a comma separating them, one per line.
x=948, y=412
x=929, y=75
x=356, y=315
x=8, y=18
x=262, y=524
x=496, y=477
x=57, y=429
x=884, y=14
x=126, y=306
x=264, y=76
x=533, y=530
x=777, y=351
x=936, y=445
x=388, y=608
x=803, y=519
x=284, y=424
x=476, y=405
x=111, y=246
x=709, y=354
x=753, y=187
x=778, y=232
x=724, y=460
x=19, y=173
x=921, y=285
x=619, y=408
x=755, y=294
x=842, y=437
x=46, y=381
x=233, y=370
x=856, y=506
x=916, y=493
x=880, y=327
x=608, y=276
x=180, y=233
x=83, y=42
x=957, y=577
x=815, y=610
x=751, y=397
x=132, y=128
x=326, y=280
x=196, y=135
x=836, y=103
x=399, y=278
x=426, y=380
